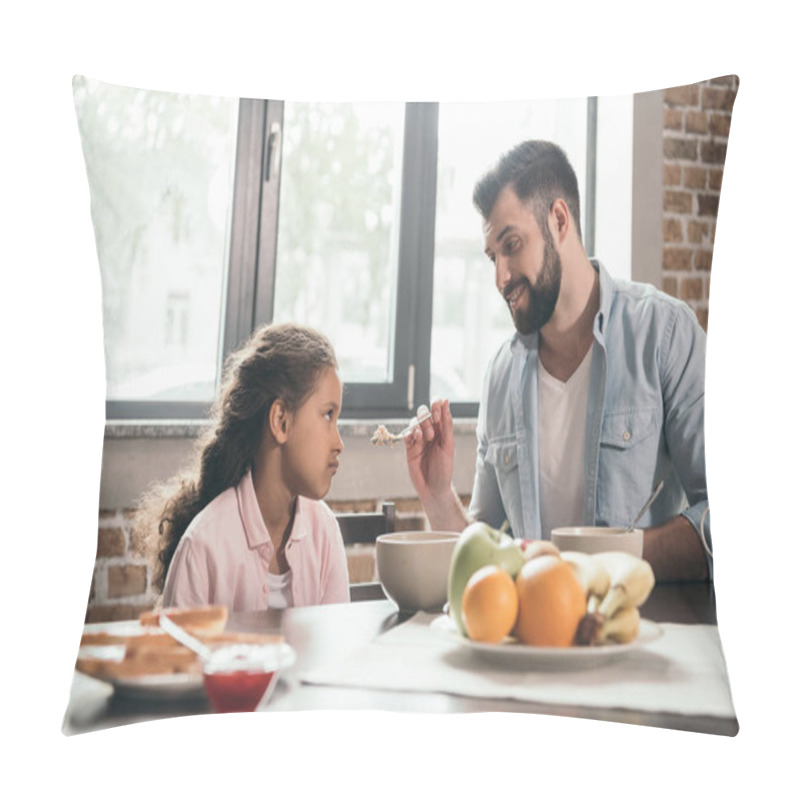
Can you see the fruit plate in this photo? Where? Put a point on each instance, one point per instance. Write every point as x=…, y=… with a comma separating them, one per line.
x=512, y=654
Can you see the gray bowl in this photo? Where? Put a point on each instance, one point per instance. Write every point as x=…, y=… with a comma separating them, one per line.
x=413, y=567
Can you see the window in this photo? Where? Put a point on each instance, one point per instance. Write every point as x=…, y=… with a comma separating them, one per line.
x=161, y=170
x=213, y=216
x=338, y=229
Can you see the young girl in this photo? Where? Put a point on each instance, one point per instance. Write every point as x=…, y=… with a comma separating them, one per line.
x=247, y=527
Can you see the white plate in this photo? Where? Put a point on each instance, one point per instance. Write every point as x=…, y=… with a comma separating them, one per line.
x=165, y=686
x=179, y=685
x=512, y=654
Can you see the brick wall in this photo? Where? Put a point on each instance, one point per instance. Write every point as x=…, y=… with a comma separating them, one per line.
x=697, y=121
x=121, y=587
x=121, y=581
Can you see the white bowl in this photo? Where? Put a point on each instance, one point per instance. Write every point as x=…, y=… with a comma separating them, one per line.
x=413, y=567
x=599, y=540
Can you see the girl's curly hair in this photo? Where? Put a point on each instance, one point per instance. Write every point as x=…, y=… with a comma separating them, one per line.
x=277, y=362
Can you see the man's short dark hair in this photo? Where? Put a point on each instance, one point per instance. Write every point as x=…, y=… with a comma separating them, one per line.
x=540, y=173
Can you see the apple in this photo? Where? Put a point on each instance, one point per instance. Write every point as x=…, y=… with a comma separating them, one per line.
x=478, y=545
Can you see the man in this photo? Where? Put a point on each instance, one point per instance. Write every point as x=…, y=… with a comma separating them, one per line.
x=597, y=397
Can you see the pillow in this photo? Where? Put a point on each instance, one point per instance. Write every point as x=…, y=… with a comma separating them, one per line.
x=185, y=252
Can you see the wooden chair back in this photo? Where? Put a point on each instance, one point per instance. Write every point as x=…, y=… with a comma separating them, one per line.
x=366, y=527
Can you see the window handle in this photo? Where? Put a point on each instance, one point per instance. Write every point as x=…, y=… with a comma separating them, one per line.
x=273, y=160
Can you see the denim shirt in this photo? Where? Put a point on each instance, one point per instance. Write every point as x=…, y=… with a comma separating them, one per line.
x=644, y=420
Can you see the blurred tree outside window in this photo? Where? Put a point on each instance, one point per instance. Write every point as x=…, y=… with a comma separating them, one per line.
x=160, y=167
x=336, y=260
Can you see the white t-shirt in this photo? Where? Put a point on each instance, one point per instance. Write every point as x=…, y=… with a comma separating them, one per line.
x=562, y=435
x=280, y=589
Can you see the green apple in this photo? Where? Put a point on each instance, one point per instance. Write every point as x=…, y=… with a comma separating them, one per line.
x=479, y=545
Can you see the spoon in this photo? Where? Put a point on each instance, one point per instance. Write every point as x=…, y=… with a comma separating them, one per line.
x=382, y=436
x=186, y=639
x=647, y=505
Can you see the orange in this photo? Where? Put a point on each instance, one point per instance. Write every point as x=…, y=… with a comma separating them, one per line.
x=489, y=604
x=551, y=603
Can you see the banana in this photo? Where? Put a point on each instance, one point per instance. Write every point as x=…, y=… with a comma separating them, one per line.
x=622, y=627
x=632, y=580
x=592, y=575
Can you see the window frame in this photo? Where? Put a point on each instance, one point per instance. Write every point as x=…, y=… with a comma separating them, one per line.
x=249, y=291
x=412, y=308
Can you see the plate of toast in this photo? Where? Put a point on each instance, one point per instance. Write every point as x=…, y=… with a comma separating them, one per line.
x=139, y=659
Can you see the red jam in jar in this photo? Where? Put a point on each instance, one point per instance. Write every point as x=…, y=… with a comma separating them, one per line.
x=241, y=690
x=237, y=677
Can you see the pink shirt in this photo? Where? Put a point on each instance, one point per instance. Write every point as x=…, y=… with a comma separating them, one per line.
x=224, y=556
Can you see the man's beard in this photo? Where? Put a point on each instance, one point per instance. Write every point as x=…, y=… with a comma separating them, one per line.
x=543, y=295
